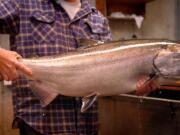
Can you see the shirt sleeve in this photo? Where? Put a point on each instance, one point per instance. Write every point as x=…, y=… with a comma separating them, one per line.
x=9, y=16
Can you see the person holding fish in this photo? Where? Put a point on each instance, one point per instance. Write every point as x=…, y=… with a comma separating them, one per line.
x=43, y=28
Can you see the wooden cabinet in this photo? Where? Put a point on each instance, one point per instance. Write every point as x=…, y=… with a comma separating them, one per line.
x=125, y=6
x=130, y=115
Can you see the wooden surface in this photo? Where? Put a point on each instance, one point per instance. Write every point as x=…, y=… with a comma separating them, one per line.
x=6, y=112
x=101, y=6
x=174, y=86
x=6, y=108
x=129, y=1
x=130, y=116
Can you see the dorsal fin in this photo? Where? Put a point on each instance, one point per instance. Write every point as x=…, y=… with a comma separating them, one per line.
x=83, y=43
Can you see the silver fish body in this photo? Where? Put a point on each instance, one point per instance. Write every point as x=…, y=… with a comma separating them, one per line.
x=108, y=69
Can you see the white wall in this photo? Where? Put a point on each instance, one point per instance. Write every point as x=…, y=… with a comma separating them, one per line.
x=93, y=2
x=4, y=41
x=160, y=22
x=178, y=19
x=161, y=19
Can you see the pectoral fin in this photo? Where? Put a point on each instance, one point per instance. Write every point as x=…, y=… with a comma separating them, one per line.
x=145, y=85
x=45, y=91
x=88, y=101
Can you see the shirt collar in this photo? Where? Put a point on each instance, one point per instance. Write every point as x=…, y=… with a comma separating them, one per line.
x=86, y=9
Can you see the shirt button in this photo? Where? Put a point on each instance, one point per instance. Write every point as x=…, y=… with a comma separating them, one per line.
x=43, y=114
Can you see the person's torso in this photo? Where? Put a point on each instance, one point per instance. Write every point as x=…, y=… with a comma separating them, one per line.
x=46, y=29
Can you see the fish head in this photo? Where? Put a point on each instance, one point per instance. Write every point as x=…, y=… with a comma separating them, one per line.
x=167, y=61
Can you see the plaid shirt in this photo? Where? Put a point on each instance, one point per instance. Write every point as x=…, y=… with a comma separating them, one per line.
x=39, y=28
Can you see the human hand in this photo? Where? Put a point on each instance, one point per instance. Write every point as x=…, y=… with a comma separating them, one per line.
x=9, y=65
x=145, y=85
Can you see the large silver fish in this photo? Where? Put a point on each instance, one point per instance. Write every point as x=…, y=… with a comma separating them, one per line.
x=104, y=70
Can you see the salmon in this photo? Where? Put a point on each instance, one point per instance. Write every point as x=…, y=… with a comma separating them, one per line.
x=104, y=69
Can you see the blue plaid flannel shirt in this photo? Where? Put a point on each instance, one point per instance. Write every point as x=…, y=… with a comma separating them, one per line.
x=39, y=28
